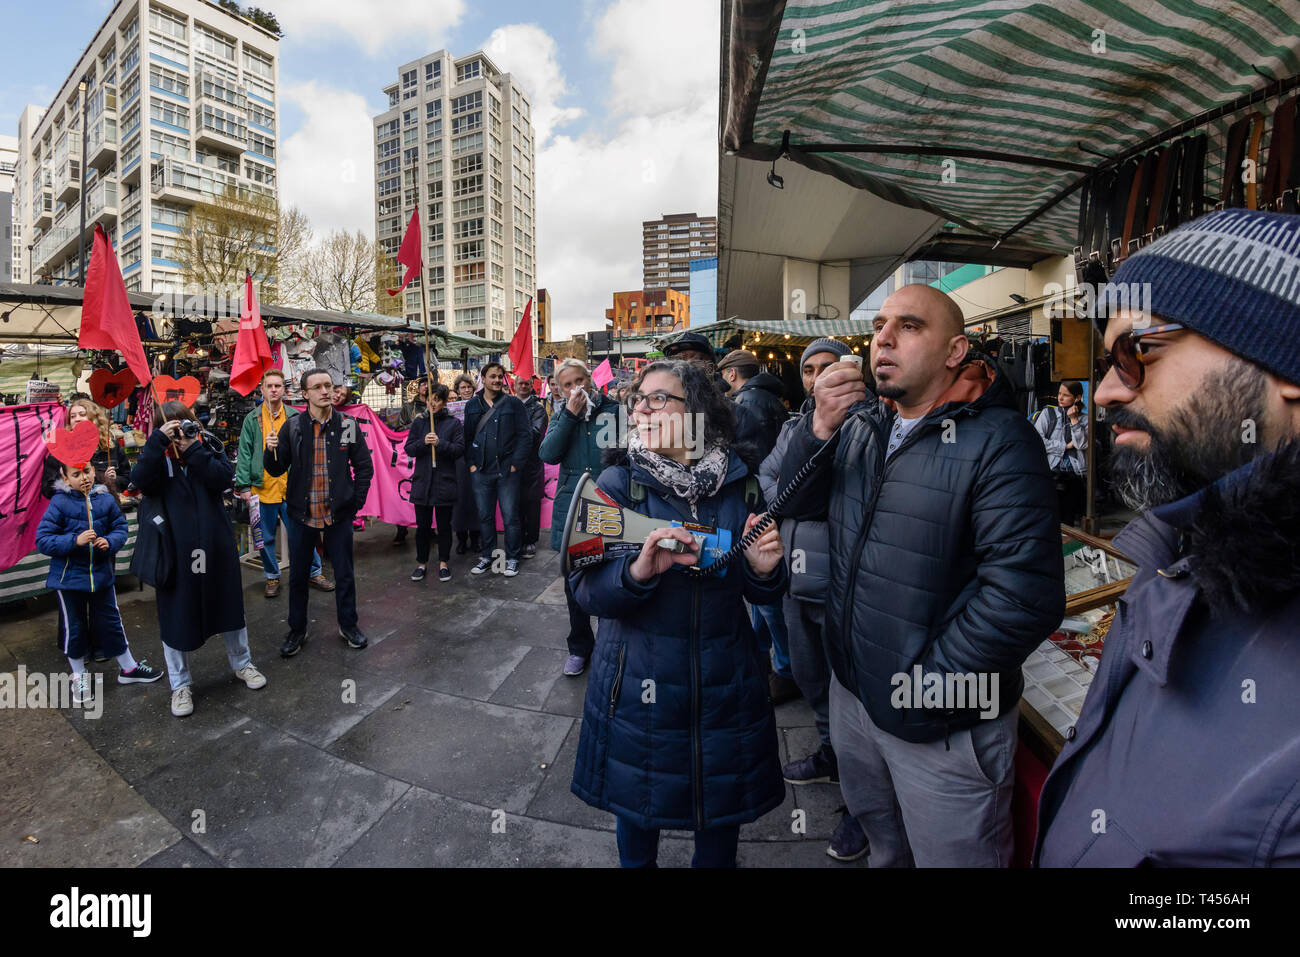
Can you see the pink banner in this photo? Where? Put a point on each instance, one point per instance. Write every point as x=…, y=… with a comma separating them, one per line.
x=22, y=460
x=390, y=492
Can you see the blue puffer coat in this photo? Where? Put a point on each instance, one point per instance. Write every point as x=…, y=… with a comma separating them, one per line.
x=80, y=567
x=704, y=753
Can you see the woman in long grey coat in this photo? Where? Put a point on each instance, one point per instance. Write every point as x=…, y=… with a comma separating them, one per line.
x=181, y=479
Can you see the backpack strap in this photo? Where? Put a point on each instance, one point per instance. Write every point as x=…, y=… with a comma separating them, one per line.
x=635, y=490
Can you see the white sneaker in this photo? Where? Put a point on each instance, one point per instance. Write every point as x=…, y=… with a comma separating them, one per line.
x=182, y=702
x=82, y=688
x=251, y=677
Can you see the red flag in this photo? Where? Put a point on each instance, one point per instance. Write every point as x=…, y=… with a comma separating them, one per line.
x=408, y=254
x=252, y=351
x=520, y=352
x=106, y=318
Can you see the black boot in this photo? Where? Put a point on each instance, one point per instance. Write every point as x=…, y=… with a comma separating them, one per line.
x=476, y=542
x=461, y=547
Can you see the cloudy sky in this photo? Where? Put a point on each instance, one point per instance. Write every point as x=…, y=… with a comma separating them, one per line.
x=625, y=106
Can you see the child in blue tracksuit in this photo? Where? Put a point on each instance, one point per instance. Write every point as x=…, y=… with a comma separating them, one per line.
x=81, y=575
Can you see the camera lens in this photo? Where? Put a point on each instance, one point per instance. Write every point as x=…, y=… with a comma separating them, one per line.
x=189, y=428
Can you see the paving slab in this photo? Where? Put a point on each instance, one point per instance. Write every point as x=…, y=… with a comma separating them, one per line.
x=532, y=680
x=56, y=790
x=425, y=829
x=460, y=747
x=266, y=799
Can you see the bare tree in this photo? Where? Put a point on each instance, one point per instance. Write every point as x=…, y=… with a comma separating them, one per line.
x=295, y=235
x=237, y=230
x=347, y=272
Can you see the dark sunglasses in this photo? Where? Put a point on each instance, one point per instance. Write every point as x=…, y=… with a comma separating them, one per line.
x=1127, y=355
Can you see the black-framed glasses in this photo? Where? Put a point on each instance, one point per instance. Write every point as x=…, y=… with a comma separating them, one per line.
x=655, y=400
x=1127, y=355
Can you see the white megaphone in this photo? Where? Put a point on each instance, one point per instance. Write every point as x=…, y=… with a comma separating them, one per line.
x=598, y=529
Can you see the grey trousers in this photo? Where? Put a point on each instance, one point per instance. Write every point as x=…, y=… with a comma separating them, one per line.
x=804, y=622
x=923, y=805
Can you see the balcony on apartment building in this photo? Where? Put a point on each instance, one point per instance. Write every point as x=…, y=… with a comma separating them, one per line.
x=55, y=243
x=67, y=167
x=101, y=135
x=44, y=204
x=184, y=182
x=220, y=114
x=101, y=202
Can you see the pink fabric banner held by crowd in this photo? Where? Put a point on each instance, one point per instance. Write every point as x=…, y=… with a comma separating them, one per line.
x=390, y=493
x=22, y=460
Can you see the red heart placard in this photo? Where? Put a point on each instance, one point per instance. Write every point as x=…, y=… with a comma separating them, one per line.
x=111, y=388
x=185, y=389
x=74, y=447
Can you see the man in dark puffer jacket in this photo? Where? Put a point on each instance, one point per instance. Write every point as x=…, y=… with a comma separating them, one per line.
x=945, y=568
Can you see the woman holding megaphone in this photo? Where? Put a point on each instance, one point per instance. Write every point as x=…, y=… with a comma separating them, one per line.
x=677, y=730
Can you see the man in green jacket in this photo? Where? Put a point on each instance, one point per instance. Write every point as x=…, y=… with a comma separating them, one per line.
x=251, y=479
x=583, y=424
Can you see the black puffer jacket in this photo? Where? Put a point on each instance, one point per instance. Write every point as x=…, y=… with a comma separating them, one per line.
x=760, y=413
x=947, y=557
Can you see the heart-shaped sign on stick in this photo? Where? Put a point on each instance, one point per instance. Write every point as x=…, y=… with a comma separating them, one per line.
x=185, y=389
x=111, y=388
x=74, y=447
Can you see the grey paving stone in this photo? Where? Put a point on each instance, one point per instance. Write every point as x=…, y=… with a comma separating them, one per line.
x=430, y=830
x=554, y=801
x=531, y=681
x=269, y=800
x=567, y=696
x=313, y=703
x=478, y=752
x=466, y=665
x=56, y=789
x=184, y=854
x=544, y=625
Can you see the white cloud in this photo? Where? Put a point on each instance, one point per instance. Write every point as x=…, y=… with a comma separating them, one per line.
x=372, y=25
x=529, y=53
x=655, y=154
x=332, y=159
x=664, y=52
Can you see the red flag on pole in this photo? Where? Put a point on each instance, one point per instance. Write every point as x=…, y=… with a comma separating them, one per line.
x=252, y=351
x=107, y=321
x=520, y=352
x=408, y=254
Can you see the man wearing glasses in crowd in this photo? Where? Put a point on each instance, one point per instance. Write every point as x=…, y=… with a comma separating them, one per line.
x=1186, y=752
x=330, y=470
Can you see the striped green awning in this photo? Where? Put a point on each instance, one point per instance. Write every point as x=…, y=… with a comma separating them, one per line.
x=1059, y=87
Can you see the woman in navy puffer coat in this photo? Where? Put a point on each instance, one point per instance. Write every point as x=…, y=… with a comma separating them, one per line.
x=678, y=731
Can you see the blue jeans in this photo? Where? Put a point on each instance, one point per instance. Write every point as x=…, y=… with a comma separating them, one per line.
x=638, y=847
x=272, y=515
x=178, y=662
x=769, y=626
x=491, y=488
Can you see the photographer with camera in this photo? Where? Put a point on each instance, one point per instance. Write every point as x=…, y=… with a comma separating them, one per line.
x=187, y=544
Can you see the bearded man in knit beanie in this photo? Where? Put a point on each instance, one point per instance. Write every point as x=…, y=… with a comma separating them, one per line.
x=1186, y=753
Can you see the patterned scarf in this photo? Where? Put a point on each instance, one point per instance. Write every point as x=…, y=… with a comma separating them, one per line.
x=690, y=482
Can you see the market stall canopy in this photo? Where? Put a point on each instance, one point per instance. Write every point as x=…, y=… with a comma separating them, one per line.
x=751, y=334
x=33, y=313
x=48, y=313
x=960, y=130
